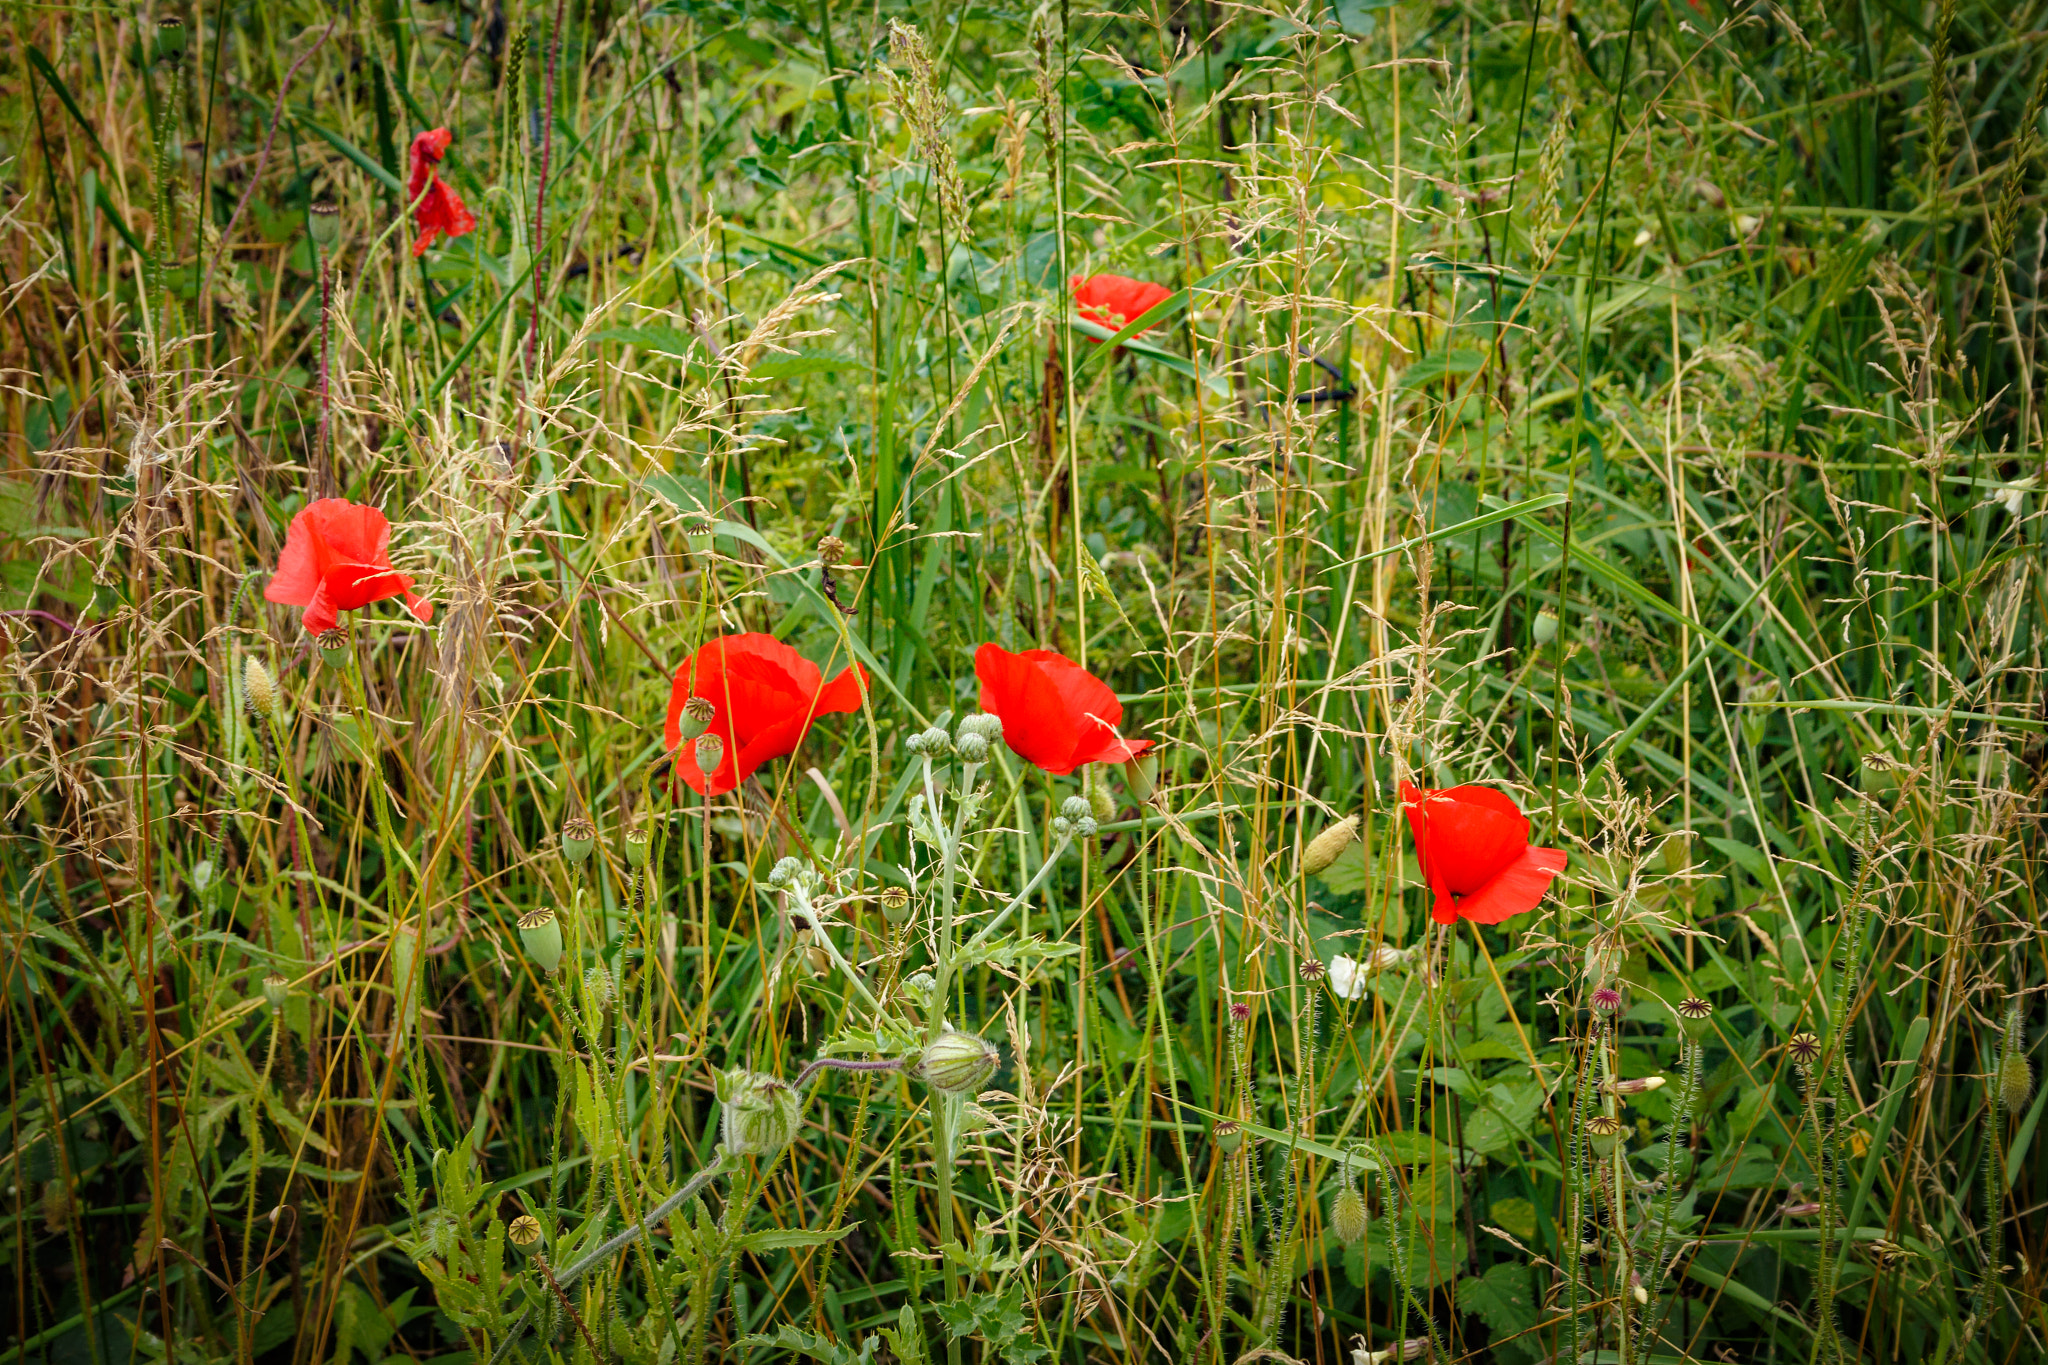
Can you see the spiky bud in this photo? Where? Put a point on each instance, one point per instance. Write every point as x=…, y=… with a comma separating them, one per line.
x=982, y=723
x=1076, y=808
x=541, y=934
x=524, y=1234
x=579, y=837
x=958, y=1063
x=1229, y=1135
x=784, y=873
x=259, y=689
x=276, y=991
x=760, y=1115
x=323, y=225
x=1347, y=1216
x=709, y=753
x=2015, y=1077
x=333, y=646
x=971, y=747
x=1141, y=775
x=695, y=718
x=831, y=550
x=597, y=984
x=1326, y=847
x=934, y=743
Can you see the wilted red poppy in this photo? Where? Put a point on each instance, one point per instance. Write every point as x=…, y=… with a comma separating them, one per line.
x=1473, y=843
x=1055, y=713
x=764, y=697
x=335, y=560
x=1115, y=301
x=442, y=213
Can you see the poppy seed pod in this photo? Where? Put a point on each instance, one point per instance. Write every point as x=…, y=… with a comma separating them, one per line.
x=579, y=837
x=171, y=39
x=1347, y=1216
x=1544, y=628
x=276, y=990
x=831, y=551
x=1695, y=1018
x=333, y=646
x=957, y=1063
x=323, y=225
x=636, y=848
x=895, y=904
x=1229, y=1136
x=524, y=1233
x=1604, y=1131
x=541, y=934
x=694, y=718
x=709, y=752
x=760, y=1115
x=259, y=689
x=1325, y=848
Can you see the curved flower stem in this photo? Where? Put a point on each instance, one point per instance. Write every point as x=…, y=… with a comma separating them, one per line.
x=824, y=940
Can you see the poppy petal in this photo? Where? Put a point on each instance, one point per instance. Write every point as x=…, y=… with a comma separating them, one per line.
x=1519, y=888
x=321, y=613
x=297, y=576
x=843, y=693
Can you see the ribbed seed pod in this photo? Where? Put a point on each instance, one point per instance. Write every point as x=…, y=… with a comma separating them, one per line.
x=541, y=933
x=958, y=1063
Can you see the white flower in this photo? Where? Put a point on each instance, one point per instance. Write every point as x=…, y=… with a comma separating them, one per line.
x=1347, y=978
x=2013, y=496
x=1645, y=236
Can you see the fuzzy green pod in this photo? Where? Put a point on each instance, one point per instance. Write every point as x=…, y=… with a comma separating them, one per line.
x=1325, y=848
x=259, y=689
x=2015, y=1079
x=958, y=1063
x=1348, y=1217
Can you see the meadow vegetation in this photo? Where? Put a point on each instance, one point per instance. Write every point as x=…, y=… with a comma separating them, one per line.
x=1627, y=406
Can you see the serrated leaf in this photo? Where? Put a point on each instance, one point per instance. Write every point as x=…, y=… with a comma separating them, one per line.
x=1503, y=1298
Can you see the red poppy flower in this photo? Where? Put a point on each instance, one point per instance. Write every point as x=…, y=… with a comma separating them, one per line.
x=1055, y=713
x=336, y=559
x=1473, y=843
x=1116, y=301
x=765, y=696
x=442, y=213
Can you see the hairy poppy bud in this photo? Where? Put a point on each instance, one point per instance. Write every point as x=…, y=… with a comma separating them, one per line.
x=333, y=646
x=709, y=753
x=696, y=715
x=579, y=836
x=323, y=225
x=259, y=689
x=541, y=933
x=1099, y=802
x=1141, y=775
x=760, y=1116
x=1229, y=1136
x=276, y=990
x=1347, y=1216
x=2015, y=1077
x=1544, y=628
x=597, y=984
x=831, y=550
x=1324, y=849
x=957, y=1063
x=524, y=1234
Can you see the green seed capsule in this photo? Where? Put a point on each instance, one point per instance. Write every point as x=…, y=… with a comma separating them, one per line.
x=323, y=225
x=276, y=990
x=958, y=1063
x=579, y=837
x=541, y=933
x=333, y=646
x=525, y=1234
x=760, y=1116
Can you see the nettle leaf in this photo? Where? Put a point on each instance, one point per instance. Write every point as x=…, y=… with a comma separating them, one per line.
x=997, y=1319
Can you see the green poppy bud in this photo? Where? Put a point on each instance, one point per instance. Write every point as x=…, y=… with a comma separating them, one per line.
x=1141, y=775
x=323, y=225
x=541, y=933
x=579, y=837
x=1347, y=1216
x=1325, y=848
x=958, y=1063
x=760, y=1116
x=259, y=689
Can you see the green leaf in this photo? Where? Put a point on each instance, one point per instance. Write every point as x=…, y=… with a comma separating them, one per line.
x=1502, y=1298
x=789, y=1239
x=1514, y=1215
